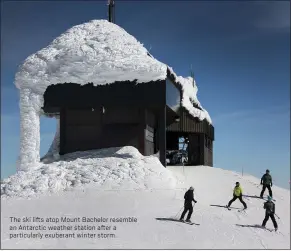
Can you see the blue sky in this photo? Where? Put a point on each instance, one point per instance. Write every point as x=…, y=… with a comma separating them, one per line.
x=239, y=51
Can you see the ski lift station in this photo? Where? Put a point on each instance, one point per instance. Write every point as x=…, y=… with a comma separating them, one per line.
x=106, y=90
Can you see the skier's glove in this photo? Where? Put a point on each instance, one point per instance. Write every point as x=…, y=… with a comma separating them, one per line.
x=195, y=201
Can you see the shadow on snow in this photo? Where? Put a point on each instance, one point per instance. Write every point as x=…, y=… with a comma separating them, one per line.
x=224, y=206
x=172, y=219
x=254, y=226
x=252, y=196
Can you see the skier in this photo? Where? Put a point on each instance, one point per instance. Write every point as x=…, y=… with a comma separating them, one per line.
x=270, y=212
x=266, y=181
x=189, y=197
x=237, y=193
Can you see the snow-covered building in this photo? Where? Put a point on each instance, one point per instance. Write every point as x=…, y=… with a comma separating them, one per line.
x=106, y=90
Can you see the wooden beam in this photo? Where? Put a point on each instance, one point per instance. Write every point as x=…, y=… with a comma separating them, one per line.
x=162, y=135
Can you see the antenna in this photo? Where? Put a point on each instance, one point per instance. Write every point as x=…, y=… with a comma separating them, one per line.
x=192, y=74
x=111, y=11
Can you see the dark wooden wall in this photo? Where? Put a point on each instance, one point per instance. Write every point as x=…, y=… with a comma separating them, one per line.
x=200, y=152
x=189, y=124
x=208, y=151
x=134, y=115
x=110, y=126
x=195, y=149
x=86, y=129
x=150, y=132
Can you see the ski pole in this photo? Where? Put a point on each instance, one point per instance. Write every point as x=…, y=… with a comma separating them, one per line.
x=178, y=212
x=277, y=216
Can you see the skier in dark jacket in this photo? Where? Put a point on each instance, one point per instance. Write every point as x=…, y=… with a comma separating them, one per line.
x=270, y=212
x=189, y=197
x=266, y=181
x=237, y=194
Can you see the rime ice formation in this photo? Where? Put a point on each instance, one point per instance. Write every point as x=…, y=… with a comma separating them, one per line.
x=99, y=52
x=189, y=97
x=112, y=168
x=30, y=129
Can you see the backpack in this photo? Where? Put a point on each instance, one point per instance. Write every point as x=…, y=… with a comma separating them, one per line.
x=270, y=207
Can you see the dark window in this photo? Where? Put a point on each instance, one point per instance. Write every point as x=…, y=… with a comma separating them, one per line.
x=205, y=140
x=208, y=142
x=172, y=96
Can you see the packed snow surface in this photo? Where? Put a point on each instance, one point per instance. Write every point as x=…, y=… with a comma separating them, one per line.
x=97, y=51
x=155, y=211
x=112, y=168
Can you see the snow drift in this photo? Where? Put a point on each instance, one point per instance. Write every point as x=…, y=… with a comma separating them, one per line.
x=112, y=168
x=156, y=211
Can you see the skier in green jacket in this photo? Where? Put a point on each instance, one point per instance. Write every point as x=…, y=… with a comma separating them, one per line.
x=266, y=181
x=270, y=212
x=237, y=194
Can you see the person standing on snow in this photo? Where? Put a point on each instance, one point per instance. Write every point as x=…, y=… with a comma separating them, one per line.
x=266, y=181
x=270, y=212
x=189, y=197
x=237, y=193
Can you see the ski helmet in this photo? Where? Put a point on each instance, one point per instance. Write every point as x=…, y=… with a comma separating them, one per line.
x=267, y=171
x=191, y=188
x=237, y=183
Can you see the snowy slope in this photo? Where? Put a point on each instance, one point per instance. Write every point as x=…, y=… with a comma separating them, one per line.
x=218, y=229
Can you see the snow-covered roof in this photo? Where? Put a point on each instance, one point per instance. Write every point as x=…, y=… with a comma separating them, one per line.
x=189, y=97
x=98, y=51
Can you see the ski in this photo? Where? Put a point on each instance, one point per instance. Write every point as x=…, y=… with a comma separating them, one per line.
x=273, y=230
x=239, y=210
x=190, y=223
x=268, y=229
x=242, y=210
x=196, y=224
x=266, y=199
